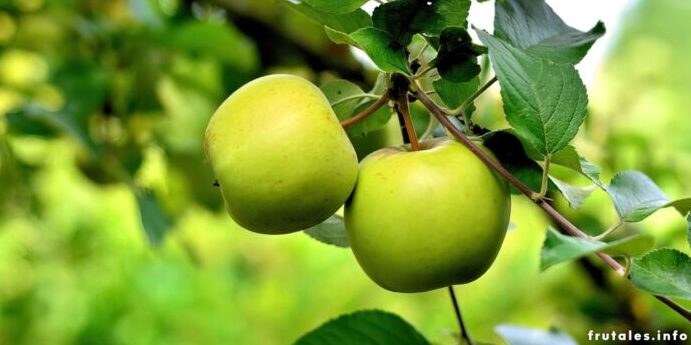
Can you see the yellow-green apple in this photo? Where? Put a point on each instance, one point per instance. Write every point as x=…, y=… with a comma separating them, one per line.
x=281, y=159
x=422, y=220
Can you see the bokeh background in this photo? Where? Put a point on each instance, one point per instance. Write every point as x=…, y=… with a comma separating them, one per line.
x=101, y=100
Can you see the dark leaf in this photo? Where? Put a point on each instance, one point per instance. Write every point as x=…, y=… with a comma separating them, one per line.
x=370, y=327
x=403, y=18
x=456, y=60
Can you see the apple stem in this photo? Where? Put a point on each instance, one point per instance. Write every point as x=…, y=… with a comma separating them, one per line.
x=557, y=217
x=404, y=111
x=365, y=113
x=459, y=317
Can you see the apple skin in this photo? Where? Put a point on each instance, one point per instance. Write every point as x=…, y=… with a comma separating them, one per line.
x=427, y=219
x=282, y=160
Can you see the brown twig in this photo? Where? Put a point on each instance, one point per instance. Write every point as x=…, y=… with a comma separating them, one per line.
x=365, y=113
x=557, y=217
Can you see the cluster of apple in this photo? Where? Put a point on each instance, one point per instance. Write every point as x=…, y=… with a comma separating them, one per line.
x=416, y=220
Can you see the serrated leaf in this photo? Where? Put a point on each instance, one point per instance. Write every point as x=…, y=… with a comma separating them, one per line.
x=531, y=25
x=336, y=6
x=558, y=247
x=338, y=89
x=154, y=219
x=337, y=26
x=370, y=327
x=515, y=335
x=388, y=55
x=456, y=59
x=543, y=101
x=664, y=272
x=574, y=195
x=453, y=94
x=331, y=231
x=403, y=18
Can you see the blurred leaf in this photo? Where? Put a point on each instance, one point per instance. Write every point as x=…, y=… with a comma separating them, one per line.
x=559, y=247
x=337, y=26
x=574, y=195
x=532, y=25
x=453, y=94
x=155, y=221
x=331, y=231
x=664, y=272
x=402, y=19
x=456, y=59
x=370, y=327
x=543, y=101
x=688, y=220
x=147, y=12
x=386, y=54
x=515, y=335
x=338, y=89
x=216, y=39
x=337, y=6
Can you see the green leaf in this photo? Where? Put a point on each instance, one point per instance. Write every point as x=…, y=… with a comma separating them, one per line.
x=371, y=327
x=453, y=94
x=402, y=19
x=545, y=102
x=216, y=39
x=635, y=195
x=336, y=6
x=331, y=231
x=386, y=54
x=155, y=221
x=664, y=272
x=532, y=25
x=574, y=195
x=568, y=157
x=337, y=26
x=688, y=220
x=372, y=123
x=456, y=60
x=559, y=247
x=515, y=335
x=338, y=89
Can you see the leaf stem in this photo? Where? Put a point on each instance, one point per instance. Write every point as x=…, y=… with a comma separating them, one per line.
x=459, y=317
x=461, y=108
x=350, y=98
x=557, y=217
x=544, y=184
x=610, y=230
x=403, y=110
x=365, y=113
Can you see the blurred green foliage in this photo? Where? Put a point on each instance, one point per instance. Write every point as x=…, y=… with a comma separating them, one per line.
x=103, y=105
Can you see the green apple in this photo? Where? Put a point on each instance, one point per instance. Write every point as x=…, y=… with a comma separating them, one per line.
x=281, y=158
x=422, y=220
